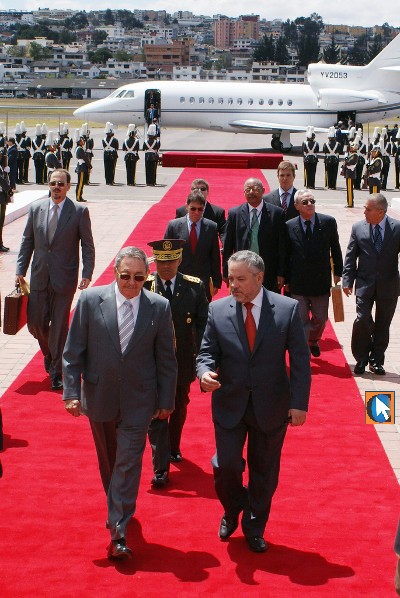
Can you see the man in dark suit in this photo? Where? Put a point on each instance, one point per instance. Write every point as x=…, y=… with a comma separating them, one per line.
x=260, y=227
x=12, y=161
x=211, y=211
x=242, y=361
x=120, y=370
x=283, y=197
x=54, y=230
x=313, y=239
x=201, y=255
x=372, y=263
x=189, y=307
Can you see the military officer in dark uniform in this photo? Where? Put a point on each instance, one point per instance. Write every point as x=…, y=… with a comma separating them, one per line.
x=20, y=143
x=83, y=167
x=131, y=149
x=350, y=173
x=52, y=156
x=374, y=170
x=88, y=147
x=332, y=150
x=65, y=144
x=151, y=146
x=27, y=152
x=361, y=153
x=387, y=152
x=189, y=308
x=310, y=156
x=110, y=146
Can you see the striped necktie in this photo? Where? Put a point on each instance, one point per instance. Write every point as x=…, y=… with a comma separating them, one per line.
x=284, y=201
x=126, y=326
x=378, y=238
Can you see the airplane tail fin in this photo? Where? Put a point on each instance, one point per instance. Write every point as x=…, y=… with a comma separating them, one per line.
x=388, y=57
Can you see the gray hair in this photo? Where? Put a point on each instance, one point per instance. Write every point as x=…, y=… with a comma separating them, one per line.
x=251, y=259
x=133, y=252
x=196, y=196
x=299, y=193
x=380, y=201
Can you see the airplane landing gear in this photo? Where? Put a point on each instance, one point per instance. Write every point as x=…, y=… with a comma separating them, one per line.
x=280, y=142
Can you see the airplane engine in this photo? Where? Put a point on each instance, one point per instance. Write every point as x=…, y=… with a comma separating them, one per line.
x=348, y=99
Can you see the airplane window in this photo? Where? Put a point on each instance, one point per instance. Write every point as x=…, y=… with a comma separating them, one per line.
x=129, y=94
x=230, y=101
x=280, y=102
x=289, y=102
x=191, y=100
x=239, y=101
x=250, y=101
x=220, y=100
x=211, y=100
x=261, y=102
x=201, y=100
x=121, y=93
x=270, y=102
x=181, y=99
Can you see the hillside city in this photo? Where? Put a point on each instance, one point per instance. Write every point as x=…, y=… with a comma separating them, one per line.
x=84, y=55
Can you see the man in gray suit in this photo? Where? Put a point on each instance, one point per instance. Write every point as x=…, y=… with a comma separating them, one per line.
x=120, y=370
x=372, y=263
x=54, y=230
x=242, y=361
x=283, y=197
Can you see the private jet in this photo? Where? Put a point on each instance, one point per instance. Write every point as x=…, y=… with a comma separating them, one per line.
x=334, y=92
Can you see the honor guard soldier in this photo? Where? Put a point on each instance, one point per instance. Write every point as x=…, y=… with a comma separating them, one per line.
x=350, y=173
x=375, y=139
x=332, y=150
x=374, y=170
x=361, y=153
x=44, y=136
x=20, y=143
x=2, y=140
x=52, y=159
x=387, y=151
x=310, y=157
x=27, y=153
x=131, y=149
x=189, y=308
x=111, y=146
x=151, y=146
x=65, y=145
x=83, y=167
x=38, y=154
x=396, y=153
x=88, y=147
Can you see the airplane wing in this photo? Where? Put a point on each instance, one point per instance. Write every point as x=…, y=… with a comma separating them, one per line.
x=255, y=125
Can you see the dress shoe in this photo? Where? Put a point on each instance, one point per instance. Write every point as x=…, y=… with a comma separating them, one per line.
x=57, y=383
x=176, y=457
x=227, y=526
x=47, y=362
x=315, y=350
x=377, y=369
x=160, y=480
x=256, y=543
x=4, y=249
x=359, y=368
x=107, y=524
x=119, y=550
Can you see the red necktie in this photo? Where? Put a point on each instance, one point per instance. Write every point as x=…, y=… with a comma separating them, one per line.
x=193, y=237
x=250, y=326
x=284, y=201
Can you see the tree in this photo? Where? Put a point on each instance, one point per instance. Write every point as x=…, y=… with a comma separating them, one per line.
x=122, y=56
x=332, y=52
x=66, y=36
x=224, y=61
x=78, y=21
x=127, y=20
x=281, y=51
x=265, y=50
x=358, y=55
x=290, y=33
x=109, y=17
x=38, y=52
x=98, y=37
x=101, y=55
x=375, y=47
x=17, y=51
x=308, y=45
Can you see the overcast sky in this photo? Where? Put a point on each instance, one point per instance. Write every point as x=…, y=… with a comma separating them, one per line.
x=356, y=12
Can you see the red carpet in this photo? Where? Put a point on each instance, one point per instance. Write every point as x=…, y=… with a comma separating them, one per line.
x=332, y=523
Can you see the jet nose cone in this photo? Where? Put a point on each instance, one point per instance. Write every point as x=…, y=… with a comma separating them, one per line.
x=79, y=111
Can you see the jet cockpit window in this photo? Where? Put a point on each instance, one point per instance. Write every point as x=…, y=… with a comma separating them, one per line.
x=230, y=101
x=290, y=102
x=121, y=93
x=220, y=100
x=116, y=93
x=211, y=100
x=239, y=101
x=201, y=100
x=191, y=100
x=270, y=102
x=250, y=102
x=129, y=94
x=261, y=102
x=280, y=102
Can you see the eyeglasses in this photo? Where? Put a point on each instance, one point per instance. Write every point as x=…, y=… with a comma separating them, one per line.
x=305, y=202
x=136, y=277
x=199, y=188
x=248, y=189
x=56, y=184
x=193, y=209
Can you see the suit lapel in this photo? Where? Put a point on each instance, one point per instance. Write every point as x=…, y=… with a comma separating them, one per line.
x=235, y=315
x=44, y=217
x=245, y=216
x=108, y=308
x=143, y=320
x=65, y=215
x=265, y=320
